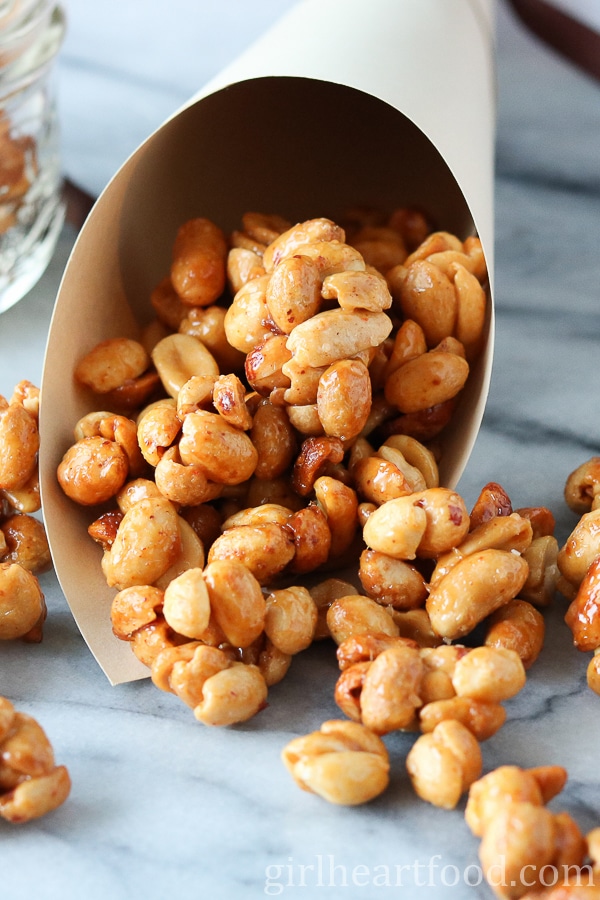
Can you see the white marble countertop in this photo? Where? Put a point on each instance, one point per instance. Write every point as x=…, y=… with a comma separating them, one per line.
x=162, y=806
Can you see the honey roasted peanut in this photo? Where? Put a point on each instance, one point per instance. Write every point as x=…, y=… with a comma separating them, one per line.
x=475, y=587
x=146, y=544
x=443, y=763
x=198, y=264
x=31, y=784
x=226, y=454
x=343, y=762
x=270, y=397
x=112, y=363
x=19, y=445
x=22, y=605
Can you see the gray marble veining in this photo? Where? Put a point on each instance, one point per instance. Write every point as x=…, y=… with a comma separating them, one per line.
x=162, y=806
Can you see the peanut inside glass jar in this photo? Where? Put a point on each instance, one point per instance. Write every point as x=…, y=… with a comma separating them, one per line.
x=31, y=206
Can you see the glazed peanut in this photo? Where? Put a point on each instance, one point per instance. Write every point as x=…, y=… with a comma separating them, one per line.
x=508, y=784
x=22, y=604
x=582, y=486
x=178, y=357
x=507, y=532
x=382, y=248
x=290, y=619
x=391, y=581
x=428, y=380
x=471, y=306
x=26, y=543
x=426, y=296
x=265, y=367
x=19, y=445
x=344, y=763
x=134, y=607
x=379, y=480
x=522, y=835
x=355, y=614
x=581, y=548
x=312, y=538
x=236, y=600
x=223, y=452
x=315, y=454
x=582, y=615
x=26, y=499
x=93, y=470
x=337, y=334
x=541, y=557
x=147, y=543
x=181, y=484
x=186, y=604
x=390, y=691
x=357, y=290
x=158, y=428
x=366, y=647
x=264, y=549
x=444, y=763
x=475, y=587
x=247, y=318
x=31, y=785
x=593, y=673
x=198, y=265
x=340, y=505
x=243, y=264
x=517, y=626
x=396, y=528
x=229, y=399
x=232, y=695
x=264, y=227
x=490, y=674
x=294, y=292
x=415, y=479
x=208, y=326
x=447, y=520
x=344, y=398
x=28, y=395
x=287, y=243
x=324, y=594
x=483, y=719
x=111, y=363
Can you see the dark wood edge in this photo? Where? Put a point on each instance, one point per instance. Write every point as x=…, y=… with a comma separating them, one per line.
x=568, y=36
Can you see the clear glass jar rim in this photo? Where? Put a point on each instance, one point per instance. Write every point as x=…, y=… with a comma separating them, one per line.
x=22, y=21
x=36, y=55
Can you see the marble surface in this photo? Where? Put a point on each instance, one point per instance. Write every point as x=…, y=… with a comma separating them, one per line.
x=163, y=806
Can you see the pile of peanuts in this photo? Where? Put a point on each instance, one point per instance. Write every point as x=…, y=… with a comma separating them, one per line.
x=579, y=564
x=280, y=417
x=31, y=784
x=24, y=551
x=490, y=571
x=281, y=394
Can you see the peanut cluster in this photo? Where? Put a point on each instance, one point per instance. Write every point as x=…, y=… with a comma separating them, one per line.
x=398, y=669
x=24, y=551
x=528, y=851
x=31, y=784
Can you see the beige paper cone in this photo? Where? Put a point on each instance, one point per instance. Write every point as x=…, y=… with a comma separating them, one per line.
x=343, y=103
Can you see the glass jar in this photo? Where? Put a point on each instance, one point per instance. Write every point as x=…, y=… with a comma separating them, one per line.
x=31, y=206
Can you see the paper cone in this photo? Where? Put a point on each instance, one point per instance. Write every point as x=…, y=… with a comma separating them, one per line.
x=343, y=103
